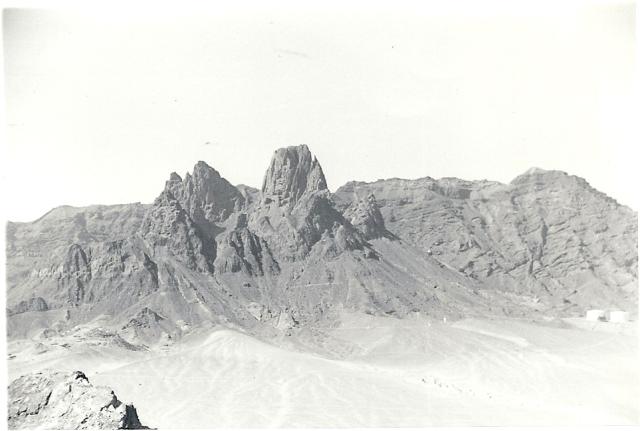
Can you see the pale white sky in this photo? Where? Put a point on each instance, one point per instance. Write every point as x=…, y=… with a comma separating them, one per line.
x=101, y=105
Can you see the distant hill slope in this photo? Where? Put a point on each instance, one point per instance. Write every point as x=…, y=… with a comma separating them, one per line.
x=546, y=233
x=292, y=253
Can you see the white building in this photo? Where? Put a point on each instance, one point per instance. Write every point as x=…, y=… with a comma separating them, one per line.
x=595, y=315
x=618, y=316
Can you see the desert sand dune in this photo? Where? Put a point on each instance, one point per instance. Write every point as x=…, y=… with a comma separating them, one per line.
x=371, y=371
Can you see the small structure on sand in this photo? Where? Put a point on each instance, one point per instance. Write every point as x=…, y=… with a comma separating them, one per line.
x=611, y=316
x=595, y=315
x=618, y=316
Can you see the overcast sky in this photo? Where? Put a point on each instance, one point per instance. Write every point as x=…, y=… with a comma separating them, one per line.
x=102, y=105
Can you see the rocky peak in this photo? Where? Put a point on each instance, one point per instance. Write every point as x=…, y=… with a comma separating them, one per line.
x=205, y=195
x=175, y=177
x=571, y=187
x=293, y=172
x=297, y=210
x=539, y=175
x=542, y=178
x=365, y=216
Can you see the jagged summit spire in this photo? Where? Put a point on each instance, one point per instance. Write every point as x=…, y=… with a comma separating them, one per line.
x=293, y=172
x=204, y=194
x=202, y=167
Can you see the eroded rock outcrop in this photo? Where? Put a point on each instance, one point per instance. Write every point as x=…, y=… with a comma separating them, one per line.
x=56, y=400
x=242, y=250
x=168, y=227
x=293, y=172
x=296, y=210
x=546, y=234
x=205, y=195
x=364, y=214
x=32, y=304
x=37, y=250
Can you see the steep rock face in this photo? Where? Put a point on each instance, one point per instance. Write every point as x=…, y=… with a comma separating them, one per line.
x=296, y=210
x=55, y=400
x=49, y=260
x=424, y=213
x=318, y=217
x=205, y=196
x=293, y=172
x=364, y=214
x=569, y=230
x=546, y=234
x=189, y=214
x=242, y=250
x=168, y=227
x=46, y=240
x=76, y=272
x=167, y=264
x=115, y=271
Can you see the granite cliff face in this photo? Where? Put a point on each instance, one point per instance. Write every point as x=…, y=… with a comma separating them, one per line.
x=207, y=252
x=55, y=400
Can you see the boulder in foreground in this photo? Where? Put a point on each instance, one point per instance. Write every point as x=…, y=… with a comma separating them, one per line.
x=56, y=400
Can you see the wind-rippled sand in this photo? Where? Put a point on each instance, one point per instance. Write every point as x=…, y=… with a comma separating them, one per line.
x=370, y=371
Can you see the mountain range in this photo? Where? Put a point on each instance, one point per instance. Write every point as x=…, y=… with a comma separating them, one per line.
x=292, y=253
